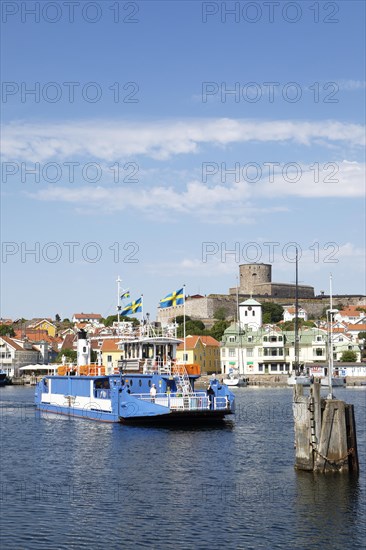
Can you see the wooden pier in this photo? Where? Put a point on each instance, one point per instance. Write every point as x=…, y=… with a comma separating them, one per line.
x=325, y=432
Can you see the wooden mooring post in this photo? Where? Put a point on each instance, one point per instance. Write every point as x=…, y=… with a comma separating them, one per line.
x=325, y=432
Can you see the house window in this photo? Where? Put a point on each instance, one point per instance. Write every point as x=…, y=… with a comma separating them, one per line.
x=109, y=358
x=253, y=313
x=185, y=356
x=273, y=368
x=223, y=352
x=246, y=313
x=231, y=353
x=265, y=339
x=249, y=353
x=250, y=338
x=260, y=351
x=318, y=352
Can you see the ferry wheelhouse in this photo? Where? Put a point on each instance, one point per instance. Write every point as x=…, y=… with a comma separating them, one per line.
x=148, y=385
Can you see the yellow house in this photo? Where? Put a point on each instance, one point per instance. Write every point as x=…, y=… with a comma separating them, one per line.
x=202, y=350
x=45, y=325
x=111, y=354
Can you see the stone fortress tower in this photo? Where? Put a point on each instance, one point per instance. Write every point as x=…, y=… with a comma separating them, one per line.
x=256, y=280
x=252, y=275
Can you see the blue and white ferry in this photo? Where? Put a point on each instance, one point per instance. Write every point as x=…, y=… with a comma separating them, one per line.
x=150, y=385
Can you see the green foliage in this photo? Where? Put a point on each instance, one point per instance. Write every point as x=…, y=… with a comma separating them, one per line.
x=192, y=327
x=57, y=318
x=70, y=355
x=360, y=308
x=7, y=330
x=290, y=325
x=220, y=314
x=66, y=320
x=266, y=318
x=110, y=320
x=218, y=329
x=362, y=335
x=349, y=356
x=180, y=319
x=274, y=311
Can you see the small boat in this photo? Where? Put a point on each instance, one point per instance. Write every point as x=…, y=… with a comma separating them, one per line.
x=233, y=379
x=149, y=385
x=3, y=378
x=337, y=381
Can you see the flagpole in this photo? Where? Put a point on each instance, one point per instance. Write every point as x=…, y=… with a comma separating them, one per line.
x=184, y=321
x=142, y=308
x=118, y=299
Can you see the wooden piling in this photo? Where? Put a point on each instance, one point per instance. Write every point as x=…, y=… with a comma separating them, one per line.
x=325, y=433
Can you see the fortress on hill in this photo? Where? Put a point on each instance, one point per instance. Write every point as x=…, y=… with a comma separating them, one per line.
x=255, y=280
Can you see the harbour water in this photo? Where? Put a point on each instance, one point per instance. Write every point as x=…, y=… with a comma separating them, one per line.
x=69, y=483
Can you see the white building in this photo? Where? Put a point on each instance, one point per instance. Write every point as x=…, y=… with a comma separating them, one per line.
x=273, y=352
x=289, y=313
x=17, y=353
x=250, y=314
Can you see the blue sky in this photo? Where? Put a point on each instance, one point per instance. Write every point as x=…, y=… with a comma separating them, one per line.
x=149, y=95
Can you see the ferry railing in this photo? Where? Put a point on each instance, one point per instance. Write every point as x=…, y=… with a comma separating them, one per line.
x=220, y=403
x=175, y=401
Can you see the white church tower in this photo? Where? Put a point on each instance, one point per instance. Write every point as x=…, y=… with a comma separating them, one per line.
x=250, y=314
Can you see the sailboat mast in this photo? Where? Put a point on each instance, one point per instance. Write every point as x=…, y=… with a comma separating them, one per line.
x=296, y=316
x=330, y=340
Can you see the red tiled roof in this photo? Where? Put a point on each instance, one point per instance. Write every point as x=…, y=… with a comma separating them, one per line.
x=11, y=343
x=87, y=316
x=68, y=342
x=191, y=342
x=360, y=327
x=35, y=335
x=351, y=311
x=110, y=344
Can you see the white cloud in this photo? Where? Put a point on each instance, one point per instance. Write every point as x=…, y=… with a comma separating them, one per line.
x=231, y=203
x=111, y=140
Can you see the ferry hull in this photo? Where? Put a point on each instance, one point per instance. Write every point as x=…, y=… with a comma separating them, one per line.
x=171, y=417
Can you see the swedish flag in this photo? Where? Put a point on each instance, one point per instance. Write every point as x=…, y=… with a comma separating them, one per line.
x=133, y=307
x=174, y=299
x=126, y=294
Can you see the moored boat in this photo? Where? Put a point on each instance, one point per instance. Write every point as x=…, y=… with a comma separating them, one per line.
x=3, y=378
x=233, y=379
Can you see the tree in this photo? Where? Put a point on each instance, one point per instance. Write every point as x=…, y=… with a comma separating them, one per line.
x=192, y=327
x=57, y=318
x=218, y=329
x=349, y=356
x=274, y=311
x=362, y=335
x=7, y=330
x=180, y=319
x=220, y=314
